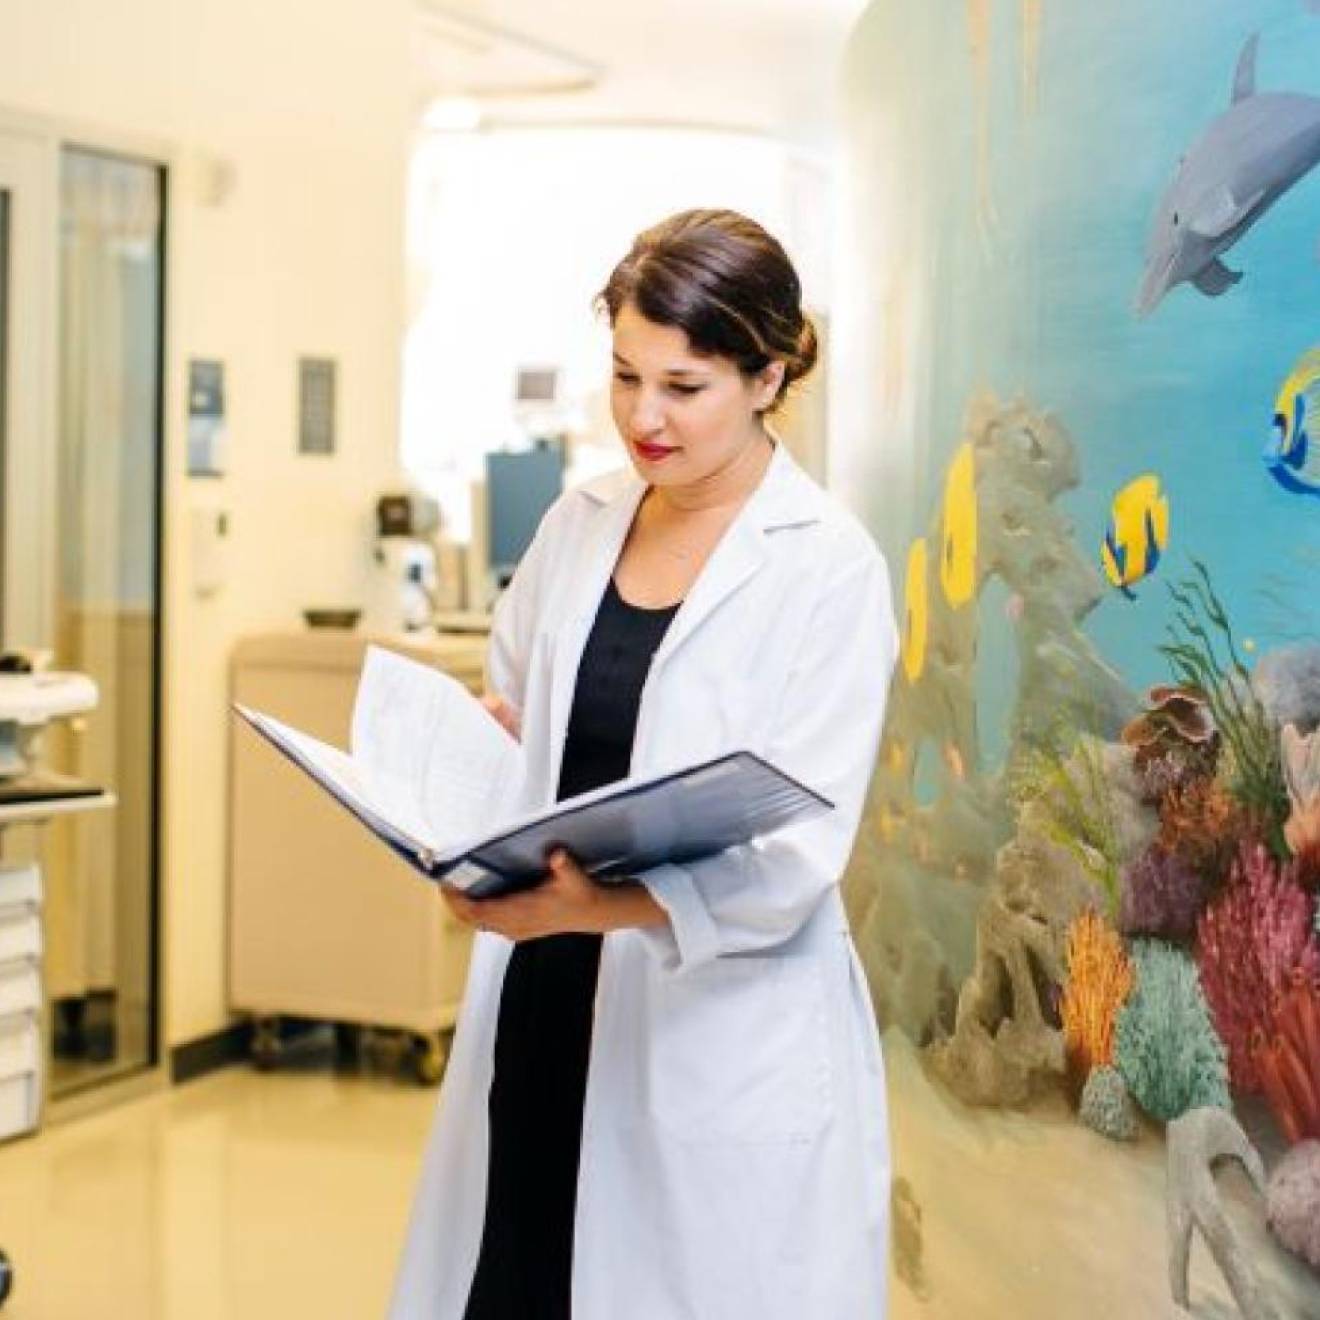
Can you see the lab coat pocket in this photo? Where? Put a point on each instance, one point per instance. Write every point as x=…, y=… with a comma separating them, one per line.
x=740, y=1051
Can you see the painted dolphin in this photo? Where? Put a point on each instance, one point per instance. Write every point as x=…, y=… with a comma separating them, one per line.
x=1246, y=159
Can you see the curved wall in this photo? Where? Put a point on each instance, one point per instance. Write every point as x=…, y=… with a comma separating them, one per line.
x=1075, y=405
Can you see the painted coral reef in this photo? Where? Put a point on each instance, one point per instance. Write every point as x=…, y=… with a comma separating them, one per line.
x=1128, y=907
x=1168, y=1052
x=1099, y=981
x=1250, y=941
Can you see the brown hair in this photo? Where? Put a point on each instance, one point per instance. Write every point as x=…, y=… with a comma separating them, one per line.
x=724, y=281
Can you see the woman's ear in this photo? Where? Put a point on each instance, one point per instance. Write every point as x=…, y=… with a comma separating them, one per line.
x=768, y=380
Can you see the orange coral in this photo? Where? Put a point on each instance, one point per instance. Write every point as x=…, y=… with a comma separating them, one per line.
x=1203, y=823
x=1099, y=980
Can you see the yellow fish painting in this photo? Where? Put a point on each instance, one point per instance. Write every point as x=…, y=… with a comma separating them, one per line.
x=958, y=553
x=1137, y=535
x=916, y=608
x=1292, y=454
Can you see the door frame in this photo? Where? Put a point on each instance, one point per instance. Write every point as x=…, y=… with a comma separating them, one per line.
x=28, y=172
x=38, y=140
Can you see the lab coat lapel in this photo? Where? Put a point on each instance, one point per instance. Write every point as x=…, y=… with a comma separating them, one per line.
x=784, y=498
x=739, y=554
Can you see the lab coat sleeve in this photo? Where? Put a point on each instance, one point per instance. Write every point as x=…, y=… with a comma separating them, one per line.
x=826, y=734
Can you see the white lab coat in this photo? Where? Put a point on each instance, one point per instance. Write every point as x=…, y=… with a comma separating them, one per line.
x=735, y=1155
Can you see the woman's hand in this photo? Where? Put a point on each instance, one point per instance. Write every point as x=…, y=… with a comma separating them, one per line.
x=567, y=901
x=505, y=714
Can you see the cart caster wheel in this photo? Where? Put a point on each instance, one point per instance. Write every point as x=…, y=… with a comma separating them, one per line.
x=350, y=1043
x=6, y=1277
x=429, y=1056
x=266, y=1044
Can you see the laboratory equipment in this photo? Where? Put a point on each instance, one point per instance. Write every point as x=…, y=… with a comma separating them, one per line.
x=405, y=584
x=28, y=702
x=520, y=486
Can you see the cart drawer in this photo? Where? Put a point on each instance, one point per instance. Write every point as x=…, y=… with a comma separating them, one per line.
x=19, y=884
x=20, y=1045
x=20, y=932
x=20, y=987
x=19, y=1098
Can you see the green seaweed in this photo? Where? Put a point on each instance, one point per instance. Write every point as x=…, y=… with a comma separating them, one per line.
x=1202, y=653
x=1165, y=1044
x=1077, y=816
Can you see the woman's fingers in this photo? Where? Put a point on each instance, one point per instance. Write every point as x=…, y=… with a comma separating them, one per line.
x=463, y=908
x=503, y=712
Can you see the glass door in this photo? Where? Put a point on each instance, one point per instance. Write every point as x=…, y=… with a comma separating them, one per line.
x=106, y=610
x=80, y=517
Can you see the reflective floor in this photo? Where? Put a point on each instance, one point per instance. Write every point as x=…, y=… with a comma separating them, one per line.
x=239, y=1195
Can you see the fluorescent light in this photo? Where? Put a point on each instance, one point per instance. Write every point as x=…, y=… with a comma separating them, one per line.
x=452, y=114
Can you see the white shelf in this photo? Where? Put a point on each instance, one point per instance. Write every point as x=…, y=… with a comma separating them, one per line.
x=14, y=813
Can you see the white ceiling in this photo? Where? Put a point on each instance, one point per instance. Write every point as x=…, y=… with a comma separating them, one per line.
x=767, y=66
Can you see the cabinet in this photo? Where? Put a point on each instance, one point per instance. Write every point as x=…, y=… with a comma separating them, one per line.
x=324, y=921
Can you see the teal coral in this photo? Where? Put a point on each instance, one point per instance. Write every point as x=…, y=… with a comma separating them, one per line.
x=1166, y=1047
x=1107, y=1107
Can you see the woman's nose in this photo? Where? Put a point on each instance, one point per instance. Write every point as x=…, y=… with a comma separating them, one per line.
x=647, y=414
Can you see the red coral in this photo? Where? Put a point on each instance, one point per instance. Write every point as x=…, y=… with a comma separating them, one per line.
x=1249, y=941
x=1288, y=1061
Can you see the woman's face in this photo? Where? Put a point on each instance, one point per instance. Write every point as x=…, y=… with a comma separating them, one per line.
x=683, y=415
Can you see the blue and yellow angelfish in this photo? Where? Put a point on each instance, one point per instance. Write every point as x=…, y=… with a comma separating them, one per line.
x=1137, y=534
x=1293, y=452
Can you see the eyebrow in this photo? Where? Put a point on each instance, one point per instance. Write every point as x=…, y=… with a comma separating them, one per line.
x=669, y=371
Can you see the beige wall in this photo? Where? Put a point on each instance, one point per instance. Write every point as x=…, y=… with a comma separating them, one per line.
x=309, y=103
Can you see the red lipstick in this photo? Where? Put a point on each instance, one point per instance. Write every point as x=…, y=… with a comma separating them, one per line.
x=652, y=453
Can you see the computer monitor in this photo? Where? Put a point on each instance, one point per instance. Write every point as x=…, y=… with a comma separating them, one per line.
x=520, y=487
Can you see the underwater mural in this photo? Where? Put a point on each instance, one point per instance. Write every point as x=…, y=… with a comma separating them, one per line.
x=1086, y=889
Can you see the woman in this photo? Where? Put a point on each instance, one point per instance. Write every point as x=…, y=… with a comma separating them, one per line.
x=666, y=1097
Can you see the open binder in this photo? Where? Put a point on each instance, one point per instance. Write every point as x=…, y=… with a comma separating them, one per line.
x=434, y=776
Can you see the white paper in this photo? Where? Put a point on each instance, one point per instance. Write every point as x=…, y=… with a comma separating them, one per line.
x=438, y=757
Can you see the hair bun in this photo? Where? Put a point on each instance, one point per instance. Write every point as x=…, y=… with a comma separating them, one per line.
x=800, y=362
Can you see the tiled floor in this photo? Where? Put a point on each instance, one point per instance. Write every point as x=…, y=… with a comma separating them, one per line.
x=240, y=1195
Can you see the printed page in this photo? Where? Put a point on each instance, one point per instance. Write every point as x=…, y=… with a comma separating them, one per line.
x=423, y=737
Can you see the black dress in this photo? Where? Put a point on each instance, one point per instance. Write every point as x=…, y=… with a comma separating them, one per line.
x=543, y=1036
